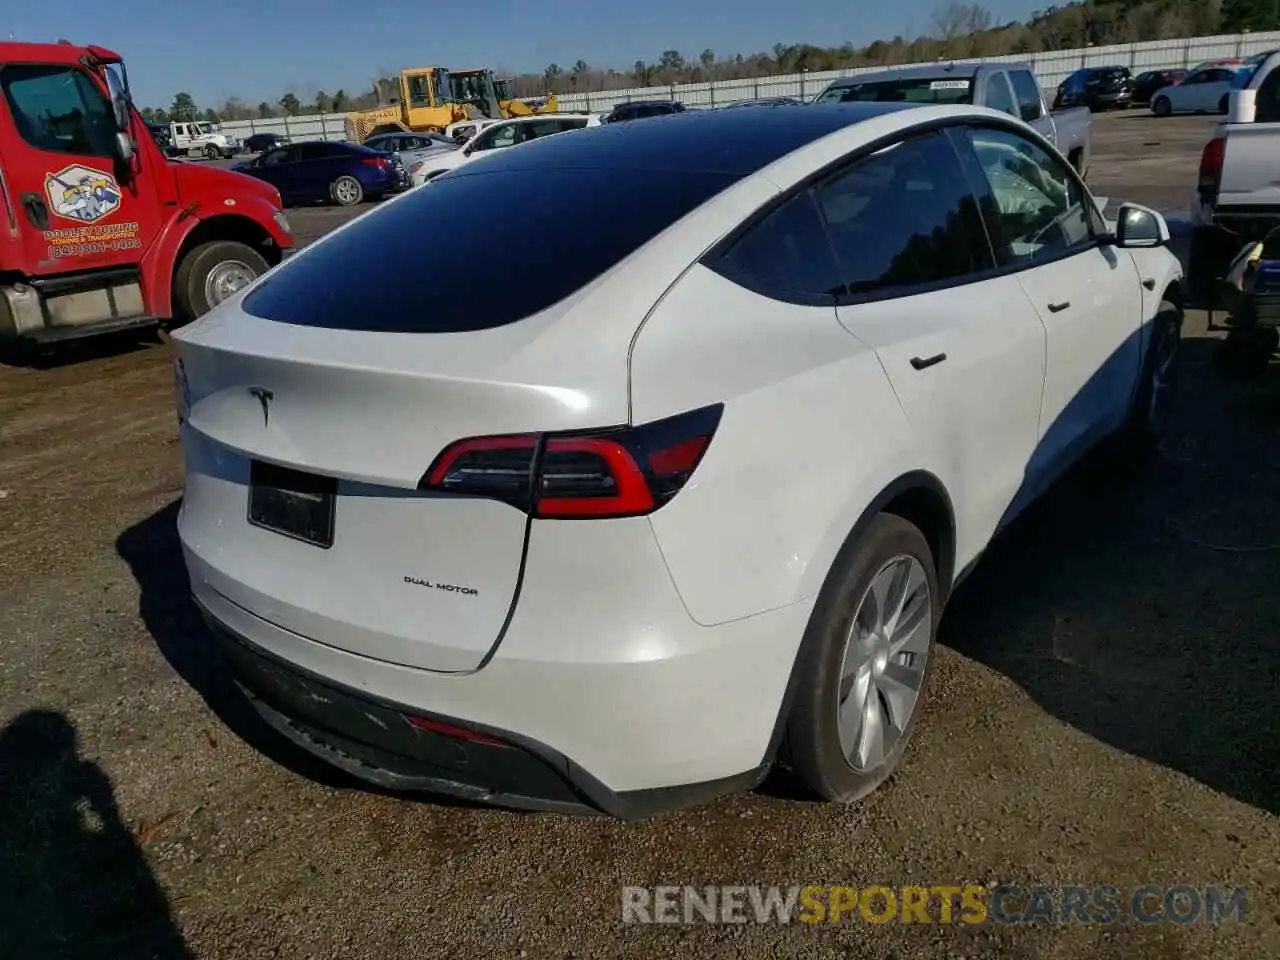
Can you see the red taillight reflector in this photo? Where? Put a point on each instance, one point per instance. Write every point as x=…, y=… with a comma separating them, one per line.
x=1211, y=161
x=618, y=472
x=681, y=457
x=380, y=162
x=454, y=732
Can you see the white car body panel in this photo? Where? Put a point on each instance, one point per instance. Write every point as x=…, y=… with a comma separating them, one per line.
x=1195, y=97
x=655, y=650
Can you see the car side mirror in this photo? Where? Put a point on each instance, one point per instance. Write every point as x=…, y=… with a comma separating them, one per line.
x=1139, y=226
x=124, y=147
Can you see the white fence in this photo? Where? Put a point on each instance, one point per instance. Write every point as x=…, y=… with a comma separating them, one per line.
x=1050, y=68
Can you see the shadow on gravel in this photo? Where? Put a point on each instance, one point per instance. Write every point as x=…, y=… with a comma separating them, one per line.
x=1142, y=607
x=73, y=879
x=154, y=555
x=71, y=352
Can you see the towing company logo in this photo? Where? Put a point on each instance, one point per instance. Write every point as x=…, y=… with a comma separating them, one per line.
x=82, y=193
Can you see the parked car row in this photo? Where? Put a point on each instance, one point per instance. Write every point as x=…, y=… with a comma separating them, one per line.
x=328, y=171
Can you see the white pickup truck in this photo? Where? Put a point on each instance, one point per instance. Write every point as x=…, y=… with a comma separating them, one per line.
x=1236, y=202
x=1008, y=87
x=199, y=138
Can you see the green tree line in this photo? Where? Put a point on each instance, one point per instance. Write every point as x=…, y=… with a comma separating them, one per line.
x=955, y=30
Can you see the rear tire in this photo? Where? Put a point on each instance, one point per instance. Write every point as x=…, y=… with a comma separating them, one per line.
x=211, y=152
x=1162, y=107
x=855, y=652
x=211, y=273
x=346, y=191
x=1148, y=420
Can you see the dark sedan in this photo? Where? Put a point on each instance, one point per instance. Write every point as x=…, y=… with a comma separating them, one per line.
x=1098, y=88
x=328, y=171
x=765, y=102
x=639, y=109
x=262, y=142
x=1146, y=84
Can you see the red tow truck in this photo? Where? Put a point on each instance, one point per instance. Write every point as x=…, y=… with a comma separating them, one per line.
x=98, y=230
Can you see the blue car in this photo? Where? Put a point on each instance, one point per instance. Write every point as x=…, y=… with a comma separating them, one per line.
x=327, y=171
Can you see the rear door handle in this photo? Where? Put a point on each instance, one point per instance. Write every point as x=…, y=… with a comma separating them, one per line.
x=920, y=364
x=1059, y=307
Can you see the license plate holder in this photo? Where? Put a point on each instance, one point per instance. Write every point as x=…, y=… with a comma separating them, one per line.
x=292, y=503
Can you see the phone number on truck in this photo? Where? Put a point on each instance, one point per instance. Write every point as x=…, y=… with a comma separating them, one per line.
x=86, y=249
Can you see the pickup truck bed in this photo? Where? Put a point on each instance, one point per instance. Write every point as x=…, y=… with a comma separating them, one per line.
x=1237, y=195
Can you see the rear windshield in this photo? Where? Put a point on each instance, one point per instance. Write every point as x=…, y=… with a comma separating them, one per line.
x=473, y=251
x=915, y=90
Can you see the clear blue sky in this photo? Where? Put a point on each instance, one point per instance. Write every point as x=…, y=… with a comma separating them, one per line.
x=258, y=49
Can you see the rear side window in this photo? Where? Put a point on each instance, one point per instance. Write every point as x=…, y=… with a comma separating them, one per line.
x=477, y=250
x=1269, y=98
x=908, y=90
x=997, y=95
x=1027, y=94
x=786, y=255
x=904, y=217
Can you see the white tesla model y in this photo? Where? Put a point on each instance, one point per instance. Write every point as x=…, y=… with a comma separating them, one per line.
x=665, y=451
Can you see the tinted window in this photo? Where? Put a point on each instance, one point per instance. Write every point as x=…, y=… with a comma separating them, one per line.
x=906, y=90
x=903, y=217
x=494, y=264
x=788, y=252
x=1269, y=98
x=312, y=151
x=59, y=109
x=1040, y=209
x=502, y=135
x=997, y=95
x=279, y=155
x=533, y=129
x=1027, y=94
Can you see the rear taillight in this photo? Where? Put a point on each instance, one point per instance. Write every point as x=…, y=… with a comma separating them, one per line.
x=380, y=162
x=616, y=472
x=1211, y=167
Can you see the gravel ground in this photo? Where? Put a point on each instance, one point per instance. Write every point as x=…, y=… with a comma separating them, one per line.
x=1103, y=712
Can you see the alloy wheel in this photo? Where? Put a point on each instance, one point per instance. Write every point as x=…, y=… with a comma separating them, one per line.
x=883, y=667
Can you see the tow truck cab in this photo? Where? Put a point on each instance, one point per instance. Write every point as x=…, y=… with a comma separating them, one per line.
x=99, y=231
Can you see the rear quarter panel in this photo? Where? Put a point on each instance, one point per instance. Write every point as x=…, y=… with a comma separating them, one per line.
x=811, y=433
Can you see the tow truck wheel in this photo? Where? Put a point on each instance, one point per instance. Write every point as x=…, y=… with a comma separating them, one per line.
x=211, y=273
x=211, y=152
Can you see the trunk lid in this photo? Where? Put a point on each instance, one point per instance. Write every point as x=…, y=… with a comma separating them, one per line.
x=411, y=577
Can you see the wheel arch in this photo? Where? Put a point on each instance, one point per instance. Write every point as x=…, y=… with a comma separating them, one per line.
x=918, y=497
x=224, y=227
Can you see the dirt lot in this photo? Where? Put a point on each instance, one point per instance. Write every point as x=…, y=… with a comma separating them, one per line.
x=1104, y=712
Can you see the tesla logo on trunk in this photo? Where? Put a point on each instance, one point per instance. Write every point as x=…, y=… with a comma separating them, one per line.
x=265, y=397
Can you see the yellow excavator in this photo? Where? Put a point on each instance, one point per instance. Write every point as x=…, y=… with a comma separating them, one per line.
x=431, y=98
